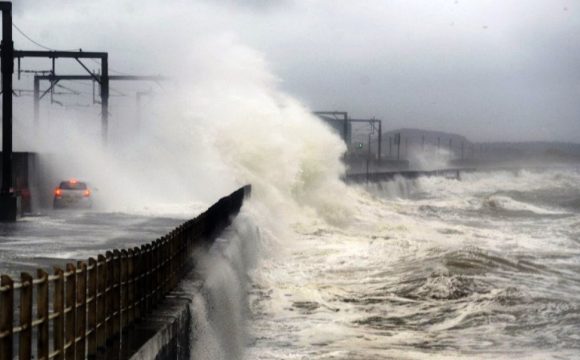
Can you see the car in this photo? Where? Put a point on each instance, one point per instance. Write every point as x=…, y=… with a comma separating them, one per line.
x=72, y=194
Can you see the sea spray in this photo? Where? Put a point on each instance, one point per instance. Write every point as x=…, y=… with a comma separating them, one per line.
x=429, y=157
x=219, y=304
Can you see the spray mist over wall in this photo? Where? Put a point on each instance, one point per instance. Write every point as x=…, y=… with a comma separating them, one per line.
x=220, y=123
x=429, y=158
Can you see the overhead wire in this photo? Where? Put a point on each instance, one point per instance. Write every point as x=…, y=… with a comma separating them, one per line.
x=52, y=49
x=119, y=93
x=33, y=41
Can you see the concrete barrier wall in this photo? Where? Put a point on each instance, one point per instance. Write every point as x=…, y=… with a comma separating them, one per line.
x=166, y=333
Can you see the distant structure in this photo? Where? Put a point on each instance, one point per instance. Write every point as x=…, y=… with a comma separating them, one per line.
x=404, y=141
x=338, y=120
x=343, y=125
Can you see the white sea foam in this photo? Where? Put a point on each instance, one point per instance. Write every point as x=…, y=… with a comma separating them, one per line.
x=429, y=158
x=334, y=277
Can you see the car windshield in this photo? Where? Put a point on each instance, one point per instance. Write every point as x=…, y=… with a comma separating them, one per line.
x=70, y=185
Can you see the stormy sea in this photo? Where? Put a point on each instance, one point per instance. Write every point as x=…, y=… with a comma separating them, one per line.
x=486, y=266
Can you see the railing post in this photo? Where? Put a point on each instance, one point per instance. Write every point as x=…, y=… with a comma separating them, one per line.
x=162, y=272
x=175, y=258
x=184, y=240
x=139, y=282
x=25, y=348
x=185, y=243
x=116, y=305
x=163, y=269
x=171, y=269
x=155, y=265
x=166, y=279
x=42, y=313
x=117, y=291
x=157, y=254
x=6, y=317
x=58, y=308
x=101, y=302
x=124, y=294
x=131, y=286
x=178, y=251
x=81, y=315
x=172, y=261
x=146, y=269
x=124, y=300
x=155, y=272
x=191, y=235
x=70, y=311
x=109, y=299
x=92, y=315
x=124, y=288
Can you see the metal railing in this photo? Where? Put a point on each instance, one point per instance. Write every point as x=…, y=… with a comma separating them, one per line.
x=405, y=174
x=87, y=309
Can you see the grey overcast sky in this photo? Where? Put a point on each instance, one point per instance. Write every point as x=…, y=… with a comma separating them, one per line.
x=487, y=69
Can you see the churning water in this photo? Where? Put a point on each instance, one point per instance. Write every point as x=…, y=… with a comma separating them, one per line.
x=484, y=267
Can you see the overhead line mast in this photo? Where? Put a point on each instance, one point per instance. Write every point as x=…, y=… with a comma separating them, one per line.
x=54, y=79
x=102, y=79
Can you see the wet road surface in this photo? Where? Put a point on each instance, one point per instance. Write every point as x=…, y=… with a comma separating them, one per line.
x=63, y=236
